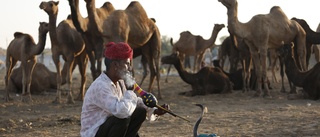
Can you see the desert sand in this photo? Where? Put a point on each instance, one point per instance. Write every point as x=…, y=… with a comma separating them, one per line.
x=229, y=115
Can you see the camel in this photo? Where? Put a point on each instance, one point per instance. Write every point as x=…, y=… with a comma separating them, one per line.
x=90, y=28
x=228, y=50
x=194, y=45
x=67, y=42
x=23, y=48
x=309, y=80
x=42, y=79
x=133, y=26
x=191, y=45
x=263, y=32
x=208, y=80
x=244, y=57
x=311, y=38
x=237, y=51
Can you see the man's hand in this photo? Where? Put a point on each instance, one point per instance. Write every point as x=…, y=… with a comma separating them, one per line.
x=160, y=112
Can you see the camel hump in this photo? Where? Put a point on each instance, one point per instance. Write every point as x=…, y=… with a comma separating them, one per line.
x=136, y=8
x=278, y=13
x=108, y=6
x=18, y=34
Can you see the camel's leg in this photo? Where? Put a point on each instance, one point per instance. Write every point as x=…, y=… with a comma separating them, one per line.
x=283, y=90
x=92, y=65
x=98, y=69
x=246, y=74
x=153, y=75
x=155, y=45
x=168, y=72
x=144, y=63
x=256, y=62
x=56, y=61
x=301, y=51
x=263, y=60
x=273, y=58
x=28, y=73
x=24, y=78
x=244, y=80
x=82, y=65
x=199, y=61
x=69, y=63
x=10, y=63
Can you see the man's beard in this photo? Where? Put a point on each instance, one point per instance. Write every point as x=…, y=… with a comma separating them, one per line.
x=127, y=78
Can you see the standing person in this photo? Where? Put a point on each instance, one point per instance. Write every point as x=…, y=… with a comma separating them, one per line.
x=109, y=109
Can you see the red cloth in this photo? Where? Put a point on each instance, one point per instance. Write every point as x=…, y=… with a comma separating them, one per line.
x=119, y=51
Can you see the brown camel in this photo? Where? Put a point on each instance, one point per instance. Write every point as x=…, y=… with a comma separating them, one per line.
x=65, y=41
x=311, y=38
x=244, y=57
x=263, y=32
x=309, y=80
x=194, y=45
x=91, y=30
x=133, y=26
x=208, y=80
x=94, y=30
x=228, y=50
x=42, y=79
x=23, y=48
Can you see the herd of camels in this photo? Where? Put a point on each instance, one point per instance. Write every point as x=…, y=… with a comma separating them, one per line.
x=79, y=40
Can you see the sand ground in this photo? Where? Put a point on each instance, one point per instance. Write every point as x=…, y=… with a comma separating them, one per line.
x=229, y=115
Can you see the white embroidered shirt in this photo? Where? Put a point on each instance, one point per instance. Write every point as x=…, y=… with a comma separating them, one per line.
x=104, y=99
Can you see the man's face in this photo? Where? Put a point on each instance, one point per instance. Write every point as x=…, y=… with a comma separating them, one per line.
x=124, y=70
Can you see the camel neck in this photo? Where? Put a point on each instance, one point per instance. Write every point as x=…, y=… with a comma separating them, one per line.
x=235, y=27
x=294, y=74
x=53, y=29
x=41, y=42
x=77, y=19
x=96, y=23
x=185, y=76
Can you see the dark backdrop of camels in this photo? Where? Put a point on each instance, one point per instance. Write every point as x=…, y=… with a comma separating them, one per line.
x=236, y=114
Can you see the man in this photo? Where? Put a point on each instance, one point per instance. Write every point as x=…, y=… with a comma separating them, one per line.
x=109, y=109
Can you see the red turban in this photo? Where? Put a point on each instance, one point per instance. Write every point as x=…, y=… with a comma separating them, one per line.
x=119, y=51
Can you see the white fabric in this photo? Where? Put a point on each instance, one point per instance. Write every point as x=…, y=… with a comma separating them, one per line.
x=104, y=99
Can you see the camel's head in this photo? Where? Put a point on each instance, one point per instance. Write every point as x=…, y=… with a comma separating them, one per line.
x=302, y=22
x=43, y=27
x=218, y=27
x=229, y=3
x=171, y=59
x=286, y=50
x=50, y=7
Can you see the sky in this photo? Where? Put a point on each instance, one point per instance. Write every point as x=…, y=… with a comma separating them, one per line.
x=172, y=16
